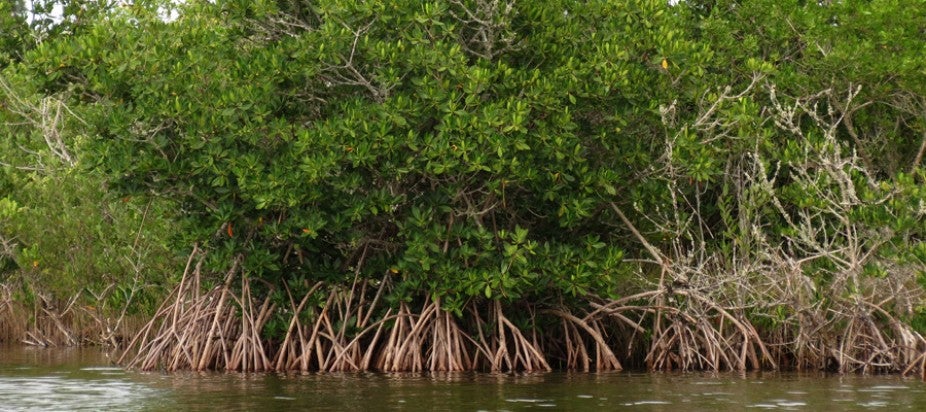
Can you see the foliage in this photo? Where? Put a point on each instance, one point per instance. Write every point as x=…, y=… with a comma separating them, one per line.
x=473, y=151
x=63, y=233
x=470, y=156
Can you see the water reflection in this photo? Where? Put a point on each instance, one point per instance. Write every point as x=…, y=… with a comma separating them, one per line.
x=62, y=380
x=34, y=379
x=67, y=393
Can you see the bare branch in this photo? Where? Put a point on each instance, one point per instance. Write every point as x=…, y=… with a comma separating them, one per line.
x=47, y=117
x=349, y=72
x=488, y=24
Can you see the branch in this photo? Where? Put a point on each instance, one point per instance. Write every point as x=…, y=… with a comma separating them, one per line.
x=348, y=73
x=46, y=117
x=490, y=23
x=636, y=233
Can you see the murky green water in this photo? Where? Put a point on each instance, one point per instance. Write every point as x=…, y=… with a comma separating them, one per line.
x=33, y=379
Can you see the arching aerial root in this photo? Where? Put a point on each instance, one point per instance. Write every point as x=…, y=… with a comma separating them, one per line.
x=12, y=317
x=351, y=330
x=858, y=337
x=51, y=322
x=578, y=336
x=688, y=332
x=354, y=328
x=217, y=330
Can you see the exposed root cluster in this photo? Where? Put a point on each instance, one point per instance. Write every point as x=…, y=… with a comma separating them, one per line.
x=52, y=322
x=12, y=325
x=215, y=330
x=336, y=328
x=350, y=330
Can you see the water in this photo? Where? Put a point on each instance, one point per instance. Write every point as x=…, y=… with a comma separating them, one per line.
x=34, y=379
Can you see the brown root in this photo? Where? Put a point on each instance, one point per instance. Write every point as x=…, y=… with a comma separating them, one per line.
x=12, y=317
x=213, y=331
x=449, y=349
x=690, y=332
x=503, y=347
x=338, y=328
x=577, y=356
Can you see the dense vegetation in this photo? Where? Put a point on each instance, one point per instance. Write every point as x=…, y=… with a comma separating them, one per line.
x=473, y=184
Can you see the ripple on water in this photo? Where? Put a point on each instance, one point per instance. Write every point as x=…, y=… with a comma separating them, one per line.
x=889, y=387
x=647, y=402
x=102, y=369
x=526, y=400
x=778, y=403
x=57, y=393
x=873, y=404
x=791, y=404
